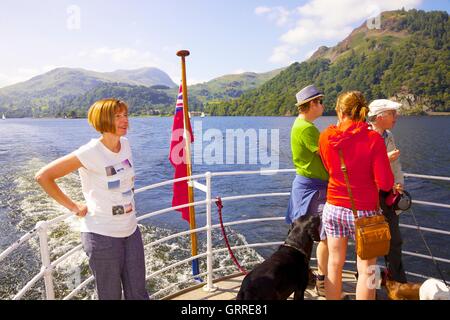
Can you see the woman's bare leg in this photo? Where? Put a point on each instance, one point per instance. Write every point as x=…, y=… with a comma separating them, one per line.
x=337, y=248
x=365, y=288
x=322, y=257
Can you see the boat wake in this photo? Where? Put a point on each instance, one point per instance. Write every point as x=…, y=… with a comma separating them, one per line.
x=25, y=204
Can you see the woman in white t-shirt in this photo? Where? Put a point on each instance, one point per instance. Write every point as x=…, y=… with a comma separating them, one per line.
x=109, y=231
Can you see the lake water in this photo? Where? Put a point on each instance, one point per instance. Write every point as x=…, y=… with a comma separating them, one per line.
x=28, y=144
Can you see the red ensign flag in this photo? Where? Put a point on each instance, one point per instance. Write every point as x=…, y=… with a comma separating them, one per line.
x=177, y=156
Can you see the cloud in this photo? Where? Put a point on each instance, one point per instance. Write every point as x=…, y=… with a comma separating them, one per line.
x=322, y=21
x=308, y=30
x=310, y=53
x=283, y=54
x=193, y=81
x=278, y=14
x=101, y=59
x=4, y=80
x=262, y=10
x=238, y=71
x=122, y=57
x=23, y=74
x=108, y=58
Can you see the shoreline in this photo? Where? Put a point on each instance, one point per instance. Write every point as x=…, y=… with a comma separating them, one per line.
x=431, y=114
x=434, y=114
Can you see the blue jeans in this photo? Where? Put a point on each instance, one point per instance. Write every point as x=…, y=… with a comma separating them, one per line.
x=117, y=263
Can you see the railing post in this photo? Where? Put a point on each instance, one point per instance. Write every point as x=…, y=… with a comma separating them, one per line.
x=209, y=248
x=42, y=228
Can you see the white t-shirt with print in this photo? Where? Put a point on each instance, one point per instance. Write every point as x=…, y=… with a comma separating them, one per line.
x=107, y=180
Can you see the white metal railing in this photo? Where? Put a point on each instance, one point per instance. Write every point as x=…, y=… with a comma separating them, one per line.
x=421, y=176
x=47, y=267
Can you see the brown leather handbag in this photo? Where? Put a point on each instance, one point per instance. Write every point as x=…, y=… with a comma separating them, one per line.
x=372, y=235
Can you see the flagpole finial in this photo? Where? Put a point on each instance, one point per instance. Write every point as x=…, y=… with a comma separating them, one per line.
x=183, y=53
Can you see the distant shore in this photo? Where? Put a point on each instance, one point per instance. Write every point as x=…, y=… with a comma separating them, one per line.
x=438, y=113
x=168, y=116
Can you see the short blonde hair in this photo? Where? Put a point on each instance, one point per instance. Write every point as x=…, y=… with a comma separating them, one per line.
x=353, y=104
x=102, y=113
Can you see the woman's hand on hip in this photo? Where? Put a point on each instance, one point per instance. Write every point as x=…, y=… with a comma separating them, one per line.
x=80, y=210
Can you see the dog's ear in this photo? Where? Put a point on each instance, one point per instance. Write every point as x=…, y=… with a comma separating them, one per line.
x=297, y=225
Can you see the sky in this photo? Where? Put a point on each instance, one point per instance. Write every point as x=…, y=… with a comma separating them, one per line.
x=224, y=37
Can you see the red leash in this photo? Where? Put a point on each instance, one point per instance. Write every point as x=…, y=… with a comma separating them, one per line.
x=219, y=207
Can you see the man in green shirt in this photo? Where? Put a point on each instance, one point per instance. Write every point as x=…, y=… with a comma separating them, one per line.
x=305, y=143
x=308, y=195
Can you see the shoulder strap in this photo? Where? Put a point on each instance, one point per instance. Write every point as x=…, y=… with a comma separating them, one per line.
x=344, y=170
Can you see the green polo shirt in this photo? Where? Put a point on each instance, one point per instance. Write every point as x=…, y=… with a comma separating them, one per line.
x=304, y=146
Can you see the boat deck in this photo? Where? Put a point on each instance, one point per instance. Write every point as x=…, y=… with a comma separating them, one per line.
x=228, y=288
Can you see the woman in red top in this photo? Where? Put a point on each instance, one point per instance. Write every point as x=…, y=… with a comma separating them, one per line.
x=368, y=170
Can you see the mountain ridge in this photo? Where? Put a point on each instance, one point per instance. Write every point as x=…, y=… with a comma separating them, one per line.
x=70, y=91
x=407, y=60
x=117, y=76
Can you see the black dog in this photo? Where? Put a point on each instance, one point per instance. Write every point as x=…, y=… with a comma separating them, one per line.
x=287, y=270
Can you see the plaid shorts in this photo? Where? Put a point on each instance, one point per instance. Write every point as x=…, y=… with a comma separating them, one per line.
x=339, y=222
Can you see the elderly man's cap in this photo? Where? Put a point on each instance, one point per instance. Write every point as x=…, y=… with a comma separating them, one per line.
x=380, y=105
x=307, y=94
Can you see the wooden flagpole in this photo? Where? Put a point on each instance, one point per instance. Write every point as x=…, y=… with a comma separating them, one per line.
x=192, y=225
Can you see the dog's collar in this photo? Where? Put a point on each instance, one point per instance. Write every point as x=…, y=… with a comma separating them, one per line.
x=295, y=248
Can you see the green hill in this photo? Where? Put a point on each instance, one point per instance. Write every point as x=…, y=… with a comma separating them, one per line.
x=141, y=100
x=224, y=88
x=230, y=86
x=407, y=59
x=49, y=94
